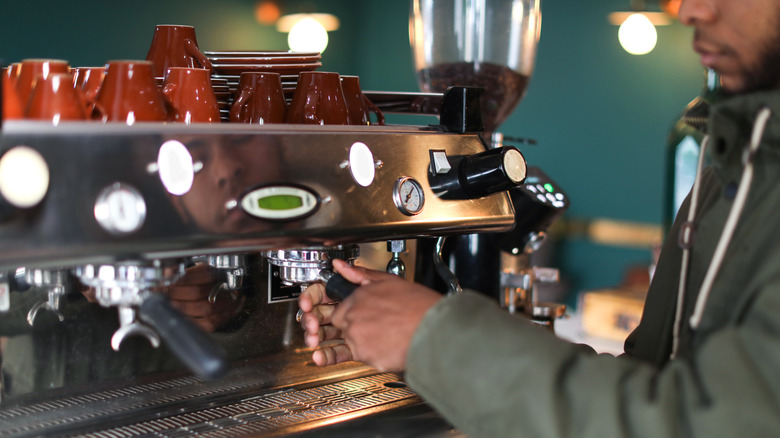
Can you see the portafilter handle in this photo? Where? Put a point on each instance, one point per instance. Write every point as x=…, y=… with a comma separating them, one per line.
x=336, y=286
x=194, y=347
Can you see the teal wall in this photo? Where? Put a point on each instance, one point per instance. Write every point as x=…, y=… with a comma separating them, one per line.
x=600, y=115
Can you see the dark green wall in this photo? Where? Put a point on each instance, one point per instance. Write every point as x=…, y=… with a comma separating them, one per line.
x=600, y=115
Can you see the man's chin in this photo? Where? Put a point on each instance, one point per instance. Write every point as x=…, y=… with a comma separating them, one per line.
x=732, y=85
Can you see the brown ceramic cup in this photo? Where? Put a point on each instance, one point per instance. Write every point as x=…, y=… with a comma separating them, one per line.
x=12, y=71
x=358, y=105
x=318, y=99
x=55, y=99
x=29, y=71
x=87, y=81
x=129, y=94
x=259, y=99
x=12, y=106
x=175, y=45
x=189, y=96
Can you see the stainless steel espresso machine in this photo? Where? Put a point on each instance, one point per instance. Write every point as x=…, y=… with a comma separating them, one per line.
x=90, y=257
x=148, y=273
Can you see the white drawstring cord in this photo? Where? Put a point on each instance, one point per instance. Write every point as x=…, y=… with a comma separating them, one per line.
x=725, y=238
x=731, y=222
x=686, y=234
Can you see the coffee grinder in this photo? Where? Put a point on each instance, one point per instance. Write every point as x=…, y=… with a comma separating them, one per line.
x=491, y=45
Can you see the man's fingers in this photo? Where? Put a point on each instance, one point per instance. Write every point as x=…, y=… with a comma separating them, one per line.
x=332, y=355
x=321, y=315
x=193, y=309
x=324, y=333
x=188, y=292
x=198, y=274
x=358, y=274
x=355, y=274
x=313, y=296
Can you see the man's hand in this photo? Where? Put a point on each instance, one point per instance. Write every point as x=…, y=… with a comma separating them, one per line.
x=190, y=295
x=376, y=323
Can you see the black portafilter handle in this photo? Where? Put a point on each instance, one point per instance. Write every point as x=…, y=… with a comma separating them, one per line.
x=337, y=287
x=194, y=347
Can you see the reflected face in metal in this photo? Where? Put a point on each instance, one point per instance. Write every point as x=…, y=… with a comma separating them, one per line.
x=228, y=167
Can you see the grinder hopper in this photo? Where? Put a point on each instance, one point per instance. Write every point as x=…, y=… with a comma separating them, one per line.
x=489, y=44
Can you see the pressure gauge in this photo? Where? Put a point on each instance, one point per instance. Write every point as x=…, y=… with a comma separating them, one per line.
x=408, y=196
x=120, y=209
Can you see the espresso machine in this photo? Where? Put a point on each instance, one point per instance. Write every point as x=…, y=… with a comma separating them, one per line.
x=90, y=256
x=108, y=231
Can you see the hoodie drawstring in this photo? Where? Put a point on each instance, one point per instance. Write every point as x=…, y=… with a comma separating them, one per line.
x=686, y=232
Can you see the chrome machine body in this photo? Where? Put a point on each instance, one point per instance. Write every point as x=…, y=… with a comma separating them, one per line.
x=87, y=332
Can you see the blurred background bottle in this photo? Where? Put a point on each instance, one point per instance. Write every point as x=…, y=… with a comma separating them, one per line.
x=684, y=143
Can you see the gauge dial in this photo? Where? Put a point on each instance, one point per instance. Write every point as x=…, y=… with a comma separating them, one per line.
x=120, y=209
x=408, y=196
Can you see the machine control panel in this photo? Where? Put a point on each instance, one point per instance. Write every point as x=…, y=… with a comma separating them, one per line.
x=538, y=203
x=545, y=192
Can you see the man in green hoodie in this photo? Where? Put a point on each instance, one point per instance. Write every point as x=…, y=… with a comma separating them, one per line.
x=705, y=359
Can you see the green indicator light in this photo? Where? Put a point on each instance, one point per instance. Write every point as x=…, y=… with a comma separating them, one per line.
x=280, y=202
x=549, y=187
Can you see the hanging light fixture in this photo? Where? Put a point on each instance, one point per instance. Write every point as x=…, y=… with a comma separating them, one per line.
x=307, y=32
x=267, y=11
x=671, y=7
x=637, y=32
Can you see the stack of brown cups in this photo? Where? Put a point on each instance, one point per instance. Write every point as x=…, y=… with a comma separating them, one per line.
x=358, y=105
x=318, y=99
x=175, y=45
x=259, y=100
x=189, y=96
x=54, y=98
x=41, y=89
x=130, y=94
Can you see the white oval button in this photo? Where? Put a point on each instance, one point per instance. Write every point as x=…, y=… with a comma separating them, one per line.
x=24, y=177
x=176, y=169
x=361, y=163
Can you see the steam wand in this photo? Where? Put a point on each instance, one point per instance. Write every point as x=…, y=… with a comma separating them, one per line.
x=444, y=271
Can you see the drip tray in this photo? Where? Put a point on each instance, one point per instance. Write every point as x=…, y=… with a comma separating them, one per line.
x=186, y=406
x=282, y=412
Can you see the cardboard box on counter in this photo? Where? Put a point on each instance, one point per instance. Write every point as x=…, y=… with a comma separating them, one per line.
x=611, y=313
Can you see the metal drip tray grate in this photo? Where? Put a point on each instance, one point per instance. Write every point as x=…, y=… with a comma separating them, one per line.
x=182, y=407
x=273, y=412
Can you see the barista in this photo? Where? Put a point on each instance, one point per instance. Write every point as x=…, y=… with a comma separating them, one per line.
x=704, y=360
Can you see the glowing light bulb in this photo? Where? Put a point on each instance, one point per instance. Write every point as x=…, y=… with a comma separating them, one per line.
x=308, y=35
x=637, y=34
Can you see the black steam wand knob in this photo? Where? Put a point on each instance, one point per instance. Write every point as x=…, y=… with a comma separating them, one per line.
x=475, y=176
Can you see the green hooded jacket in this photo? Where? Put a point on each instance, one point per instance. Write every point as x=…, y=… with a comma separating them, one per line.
x=494, y=375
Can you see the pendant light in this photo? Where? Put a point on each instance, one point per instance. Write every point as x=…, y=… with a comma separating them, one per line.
x=637, y=34
x=307, y=32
